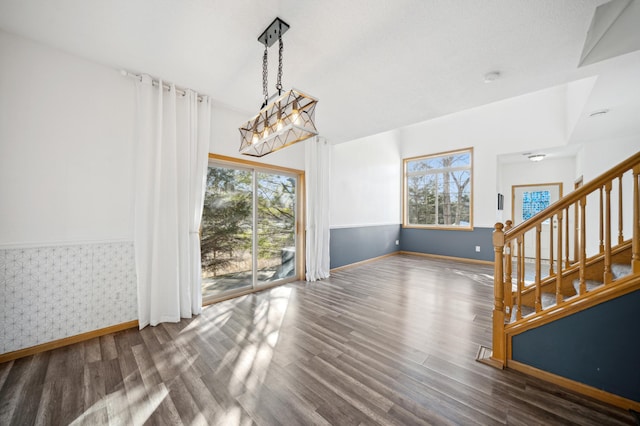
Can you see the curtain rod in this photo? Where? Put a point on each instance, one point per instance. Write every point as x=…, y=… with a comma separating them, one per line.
x=155, y=82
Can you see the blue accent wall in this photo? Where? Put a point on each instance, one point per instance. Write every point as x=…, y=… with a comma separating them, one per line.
x=351, y=245
x=599, y=346
x=446, y=242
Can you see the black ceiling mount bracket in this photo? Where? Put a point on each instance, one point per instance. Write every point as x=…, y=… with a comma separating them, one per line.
x=276, y=29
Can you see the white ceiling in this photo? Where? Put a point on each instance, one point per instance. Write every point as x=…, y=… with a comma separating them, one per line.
x=375, y=65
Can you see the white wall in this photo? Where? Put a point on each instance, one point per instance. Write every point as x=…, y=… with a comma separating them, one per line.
x=66, y=147
x=535, y=120
x=517, y=124
x=599, y=156
x=546, y=171
x=596, y=158
x=66, y=200
x=365, y=169
x=366, y=176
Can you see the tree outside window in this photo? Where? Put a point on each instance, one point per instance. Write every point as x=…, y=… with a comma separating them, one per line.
x=227, y=220
x=437, y=190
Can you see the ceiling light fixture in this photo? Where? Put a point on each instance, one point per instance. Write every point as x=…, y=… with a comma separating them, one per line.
x=284, y=119
x=536, y=157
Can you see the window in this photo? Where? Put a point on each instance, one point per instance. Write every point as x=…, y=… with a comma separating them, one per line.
x=437, y=190
x=533, y=202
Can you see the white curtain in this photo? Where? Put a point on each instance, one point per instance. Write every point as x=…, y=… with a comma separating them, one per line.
x=172, y=144
x=317, y=177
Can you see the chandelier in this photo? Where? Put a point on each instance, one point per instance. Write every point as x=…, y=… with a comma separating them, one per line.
x=286, y=117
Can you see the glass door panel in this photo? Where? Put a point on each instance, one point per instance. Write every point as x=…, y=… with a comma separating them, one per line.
x=529, y=200
x=227, y=232
x=276, y=227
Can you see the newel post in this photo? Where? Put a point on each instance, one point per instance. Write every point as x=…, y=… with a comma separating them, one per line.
x=499, y=350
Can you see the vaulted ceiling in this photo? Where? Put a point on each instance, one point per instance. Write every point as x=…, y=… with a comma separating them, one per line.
x=375, y=65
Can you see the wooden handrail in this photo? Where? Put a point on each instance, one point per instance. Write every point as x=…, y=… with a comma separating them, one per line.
x=575, y=196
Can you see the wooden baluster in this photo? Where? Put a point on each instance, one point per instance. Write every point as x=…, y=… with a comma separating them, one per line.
x=499, y=353
x=508, y=280
x=601, y=246
x=635, y=241
x=552, y=225
x=583, y=244
x=538, y=302
x=559, y=275
x=576, y=232
x=607, y=235
x=566, y=233
x=520, y=274
x=620, y=230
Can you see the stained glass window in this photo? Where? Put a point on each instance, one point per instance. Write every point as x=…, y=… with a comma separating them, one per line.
x=534, y=202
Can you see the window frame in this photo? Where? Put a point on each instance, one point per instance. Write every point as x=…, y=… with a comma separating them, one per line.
x=405, y=195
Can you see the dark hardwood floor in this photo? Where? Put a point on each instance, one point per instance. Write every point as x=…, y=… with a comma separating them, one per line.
x=389, y=342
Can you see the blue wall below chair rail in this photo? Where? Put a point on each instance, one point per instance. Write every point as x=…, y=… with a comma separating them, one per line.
x=355, y=244
x=452, y=243
x=351, y=245
x=599, y=347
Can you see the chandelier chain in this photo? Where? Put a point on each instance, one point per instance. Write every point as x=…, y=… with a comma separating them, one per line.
x=280, y=49
x=265, y=75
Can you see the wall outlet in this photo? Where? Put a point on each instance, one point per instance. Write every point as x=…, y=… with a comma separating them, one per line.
x=477, y=249
x=397, y=242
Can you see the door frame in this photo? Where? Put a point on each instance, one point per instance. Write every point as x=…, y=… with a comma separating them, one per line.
x=299, y=226
x=558, y=185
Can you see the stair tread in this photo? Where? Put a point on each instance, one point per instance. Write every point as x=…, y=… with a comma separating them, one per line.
x=591, y=285
x=548, y=300
x=620, y=270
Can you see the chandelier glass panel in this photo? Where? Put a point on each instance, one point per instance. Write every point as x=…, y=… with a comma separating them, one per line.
x=284, y=119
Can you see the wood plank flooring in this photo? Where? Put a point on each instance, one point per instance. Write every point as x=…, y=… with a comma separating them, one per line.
x=392, y=342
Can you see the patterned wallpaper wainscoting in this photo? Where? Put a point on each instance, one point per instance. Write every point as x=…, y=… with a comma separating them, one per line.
x=49, y=293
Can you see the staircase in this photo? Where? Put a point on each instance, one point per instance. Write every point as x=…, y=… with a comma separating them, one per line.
x=549, y=300
x=594, y=259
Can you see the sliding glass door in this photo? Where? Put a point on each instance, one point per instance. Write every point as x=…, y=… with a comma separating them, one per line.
x=248, y=234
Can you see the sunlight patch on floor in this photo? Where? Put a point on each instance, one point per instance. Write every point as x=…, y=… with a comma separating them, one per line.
x=252, y=363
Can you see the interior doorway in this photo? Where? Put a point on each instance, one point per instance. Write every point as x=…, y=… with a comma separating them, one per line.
x=526, y=202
